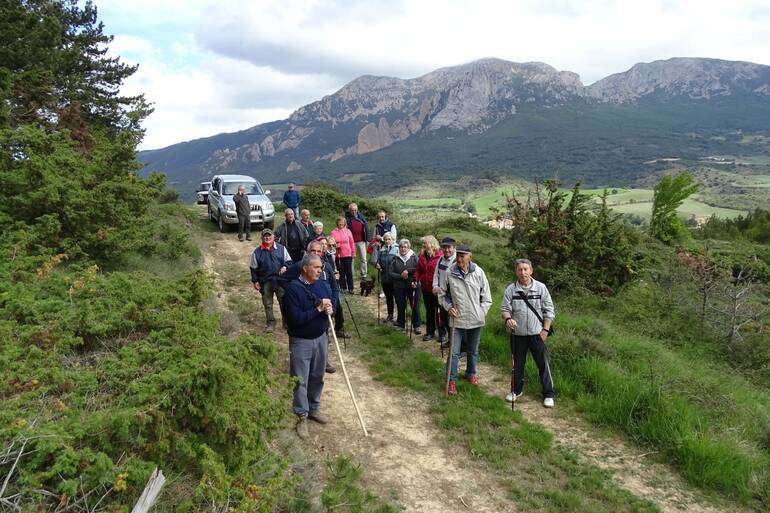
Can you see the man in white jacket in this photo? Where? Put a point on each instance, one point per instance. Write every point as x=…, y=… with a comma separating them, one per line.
x=528, y=312
x=466, y=296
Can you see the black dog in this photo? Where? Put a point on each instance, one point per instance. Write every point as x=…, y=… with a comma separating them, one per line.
x=367, y=286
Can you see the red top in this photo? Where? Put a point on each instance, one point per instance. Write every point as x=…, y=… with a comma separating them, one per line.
x=426, y=268
x=357, y=229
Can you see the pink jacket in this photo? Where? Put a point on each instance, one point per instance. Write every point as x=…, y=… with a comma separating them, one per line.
x=345, y=245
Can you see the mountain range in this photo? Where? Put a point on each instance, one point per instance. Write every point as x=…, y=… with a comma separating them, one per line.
x=497, y=117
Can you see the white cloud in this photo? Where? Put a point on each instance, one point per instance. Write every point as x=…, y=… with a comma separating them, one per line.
x=222, y=66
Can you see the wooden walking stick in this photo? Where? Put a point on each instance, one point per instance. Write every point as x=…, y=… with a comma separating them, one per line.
x=449, y=355
x=345, y=373
x=513, y=373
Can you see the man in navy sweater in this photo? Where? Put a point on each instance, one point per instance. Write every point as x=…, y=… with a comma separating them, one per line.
x=307, y=304
x=327, y=275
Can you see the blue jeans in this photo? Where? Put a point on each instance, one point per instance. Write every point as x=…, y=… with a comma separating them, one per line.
x=471, y=338
x=307, y=360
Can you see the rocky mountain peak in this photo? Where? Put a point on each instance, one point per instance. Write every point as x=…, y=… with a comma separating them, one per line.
x=694, y=78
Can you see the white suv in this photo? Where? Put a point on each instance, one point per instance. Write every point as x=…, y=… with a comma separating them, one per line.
x=222, y=208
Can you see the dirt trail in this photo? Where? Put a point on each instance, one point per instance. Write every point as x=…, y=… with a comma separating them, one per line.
x=405, y=454
x=631, y=468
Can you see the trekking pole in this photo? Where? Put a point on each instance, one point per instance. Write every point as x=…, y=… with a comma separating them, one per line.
x=379, y=291
x=345, y=373
x=438, y=328
x=449, y=356
x=355, y=324
x=513, y=374
x=411, y=318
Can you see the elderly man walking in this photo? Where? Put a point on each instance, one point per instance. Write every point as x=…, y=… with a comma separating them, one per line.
x=243, y=209
x=307, y=303
x=268, y=262
x=528, y=312
x=466, y=297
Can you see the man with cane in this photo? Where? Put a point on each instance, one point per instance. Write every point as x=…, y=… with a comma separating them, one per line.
x=528, y=313
x=466, y=297
x=308, y=304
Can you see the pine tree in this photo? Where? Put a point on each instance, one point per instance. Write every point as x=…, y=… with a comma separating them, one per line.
x=668, y=195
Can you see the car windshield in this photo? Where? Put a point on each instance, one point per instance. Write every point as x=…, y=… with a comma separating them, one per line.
x=251, y=187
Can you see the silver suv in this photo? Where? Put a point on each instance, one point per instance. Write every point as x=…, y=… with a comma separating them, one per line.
x=202, y=194
x=222, y=208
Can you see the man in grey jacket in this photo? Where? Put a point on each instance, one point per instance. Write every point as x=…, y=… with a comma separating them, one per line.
x=466, y=296
x=528, y=332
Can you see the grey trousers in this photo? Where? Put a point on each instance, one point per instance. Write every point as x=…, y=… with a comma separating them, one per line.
x=307, y=361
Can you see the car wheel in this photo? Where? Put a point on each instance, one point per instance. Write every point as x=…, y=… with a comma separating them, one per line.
x=222, y=225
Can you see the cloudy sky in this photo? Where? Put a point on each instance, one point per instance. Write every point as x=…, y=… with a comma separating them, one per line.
x=211, y=67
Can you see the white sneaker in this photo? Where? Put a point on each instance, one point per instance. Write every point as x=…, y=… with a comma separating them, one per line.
x=548, y=402
x=382, y=294
x=511, y=397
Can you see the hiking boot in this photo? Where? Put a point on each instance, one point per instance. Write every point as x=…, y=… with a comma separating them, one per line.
x=301, y=428
x=248, y=238
x=330, y=369
x=317, y=417
x=240, y=239
x=452, y=388
x=417, y=331
x=512, y=397
x=548, y=402
x=474, y=381
x=427, y=337
x=444, y=344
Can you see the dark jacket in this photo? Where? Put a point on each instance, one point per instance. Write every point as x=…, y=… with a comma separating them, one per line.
x=361, y=219
x=399, y=265
x=303, y=319
x=309, y=229
x=265, y=263
x=291, y=199
x=385, y=257
x=242, y=207
x=382, y=228
x=327, y=275
x=282, y=233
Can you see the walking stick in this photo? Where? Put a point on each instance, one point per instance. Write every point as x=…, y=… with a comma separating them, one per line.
x=355, y=324
x=513, y=374
x=449, y=356
x=439, y=323
x=379, y=291
x=345, y=373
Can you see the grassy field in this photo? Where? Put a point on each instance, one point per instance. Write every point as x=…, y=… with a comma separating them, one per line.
x=639, y=202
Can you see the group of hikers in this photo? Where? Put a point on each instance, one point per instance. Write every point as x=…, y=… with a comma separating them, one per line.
x=310, y=272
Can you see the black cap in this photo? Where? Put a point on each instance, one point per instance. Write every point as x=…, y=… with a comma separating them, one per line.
x=447, y=241
x=463, y=248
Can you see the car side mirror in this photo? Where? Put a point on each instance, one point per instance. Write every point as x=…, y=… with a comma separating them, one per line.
x=267, y=192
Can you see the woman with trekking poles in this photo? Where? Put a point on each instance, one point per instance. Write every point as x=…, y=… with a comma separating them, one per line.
x=401, y=270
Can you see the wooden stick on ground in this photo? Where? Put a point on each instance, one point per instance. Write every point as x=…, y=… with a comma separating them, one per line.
x=345, y=373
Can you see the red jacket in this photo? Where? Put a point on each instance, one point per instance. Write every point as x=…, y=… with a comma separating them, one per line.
x=426, y=268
